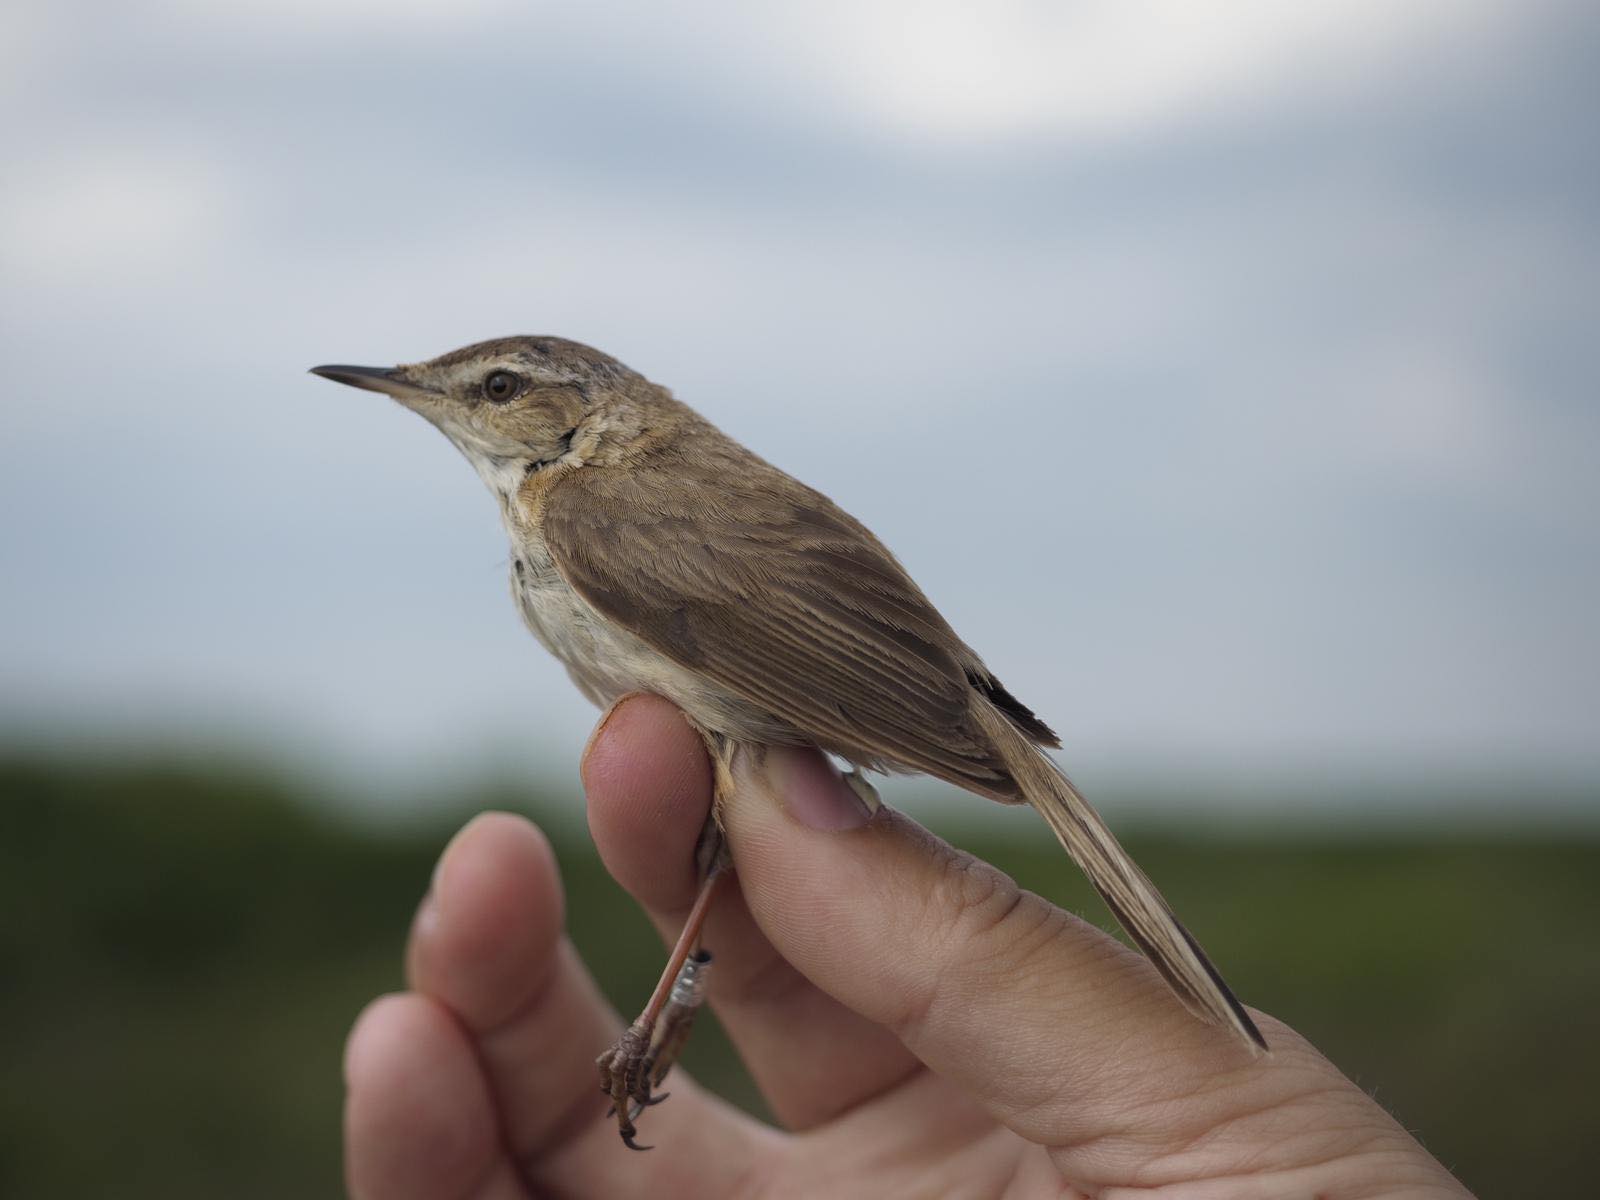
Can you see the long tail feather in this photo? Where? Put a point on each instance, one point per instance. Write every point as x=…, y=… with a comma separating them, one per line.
x=1132, y=898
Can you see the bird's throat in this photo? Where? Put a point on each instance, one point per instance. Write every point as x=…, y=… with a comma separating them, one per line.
x=502, y=474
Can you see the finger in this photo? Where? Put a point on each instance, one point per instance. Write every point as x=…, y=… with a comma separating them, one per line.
x=418, y=1117
x=648, y=783
x=1055, y=1027
x=488, y=945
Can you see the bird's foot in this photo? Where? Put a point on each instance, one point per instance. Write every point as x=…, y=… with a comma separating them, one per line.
x=633, y=1068
x=625, y=1071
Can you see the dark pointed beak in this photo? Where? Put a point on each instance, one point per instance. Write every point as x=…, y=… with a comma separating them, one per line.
x=388, y=380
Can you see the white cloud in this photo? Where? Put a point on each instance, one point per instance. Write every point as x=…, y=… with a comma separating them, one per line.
x=1106, y=68
x=111, y=212
x=934, y=69
x=377, y=20
x=27, y=34
x=1431, y=410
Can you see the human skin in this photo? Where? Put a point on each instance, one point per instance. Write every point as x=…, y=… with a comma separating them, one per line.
x=919, y=1025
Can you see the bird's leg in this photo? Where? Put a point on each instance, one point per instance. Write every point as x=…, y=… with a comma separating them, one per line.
x=677, y=1018
x=642, y=1056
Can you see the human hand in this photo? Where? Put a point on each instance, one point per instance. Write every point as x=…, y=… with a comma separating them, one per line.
x=919, y=1025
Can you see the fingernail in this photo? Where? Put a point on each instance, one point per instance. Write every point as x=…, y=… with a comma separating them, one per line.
x=427, y=918
x=437, y=877
x=814, y=792
x=436, y=880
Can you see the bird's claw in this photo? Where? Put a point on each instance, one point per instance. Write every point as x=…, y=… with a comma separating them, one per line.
x=633, y=1068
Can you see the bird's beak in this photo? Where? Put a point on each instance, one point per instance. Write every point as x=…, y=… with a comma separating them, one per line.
x=391, y=381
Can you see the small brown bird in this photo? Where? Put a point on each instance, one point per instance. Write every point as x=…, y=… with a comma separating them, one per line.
x=651, y=552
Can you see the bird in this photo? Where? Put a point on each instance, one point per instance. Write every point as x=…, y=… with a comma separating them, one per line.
x=651, y=552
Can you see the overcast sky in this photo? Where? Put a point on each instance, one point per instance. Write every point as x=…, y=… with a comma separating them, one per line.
x=1226, y=373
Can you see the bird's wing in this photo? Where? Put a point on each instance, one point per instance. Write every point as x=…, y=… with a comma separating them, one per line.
x=768, y=588
x=771, y=590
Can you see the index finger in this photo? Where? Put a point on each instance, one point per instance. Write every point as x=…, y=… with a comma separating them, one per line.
x=489, y=947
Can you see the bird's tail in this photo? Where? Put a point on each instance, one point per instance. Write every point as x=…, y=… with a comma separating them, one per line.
x=1132, y=898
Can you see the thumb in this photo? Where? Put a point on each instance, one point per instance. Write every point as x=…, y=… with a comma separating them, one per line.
x=1058, y=1029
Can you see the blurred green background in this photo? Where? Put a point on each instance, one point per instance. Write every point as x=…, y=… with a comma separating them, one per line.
x=183, y=949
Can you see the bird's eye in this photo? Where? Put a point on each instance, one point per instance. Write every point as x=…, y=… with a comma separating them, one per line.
x=501, y=386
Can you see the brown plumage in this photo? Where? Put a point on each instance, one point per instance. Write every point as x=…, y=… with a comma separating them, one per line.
x=652, y=552
x=795, y=606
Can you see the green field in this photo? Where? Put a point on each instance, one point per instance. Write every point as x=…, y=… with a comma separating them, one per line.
x=181, y=952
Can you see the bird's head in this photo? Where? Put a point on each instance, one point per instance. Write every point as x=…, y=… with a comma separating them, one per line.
x=510, y=404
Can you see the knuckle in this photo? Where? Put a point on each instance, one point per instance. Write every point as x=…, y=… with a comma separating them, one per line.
x=970, y=899
x=977, y=924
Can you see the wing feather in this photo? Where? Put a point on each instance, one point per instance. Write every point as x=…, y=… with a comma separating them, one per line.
x=777, y=594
